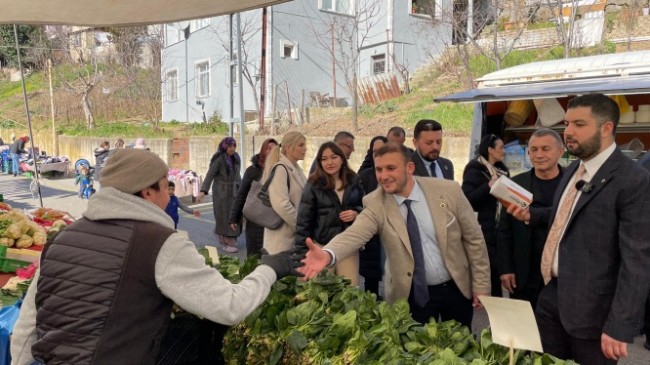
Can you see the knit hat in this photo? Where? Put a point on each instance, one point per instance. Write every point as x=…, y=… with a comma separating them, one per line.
x=132, y=170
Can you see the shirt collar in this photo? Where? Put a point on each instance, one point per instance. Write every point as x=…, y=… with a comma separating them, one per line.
x=416, y=194
x=593, y=165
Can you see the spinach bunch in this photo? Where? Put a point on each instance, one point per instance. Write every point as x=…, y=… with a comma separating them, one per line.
x=326, y=321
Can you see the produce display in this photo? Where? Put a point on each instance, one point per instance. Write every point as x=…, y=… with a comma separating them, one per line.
x=22, y=231
x=326, y=321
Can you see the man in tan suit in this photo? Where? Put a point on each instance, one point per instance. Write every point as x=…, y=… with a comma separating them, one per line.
x=435, y=253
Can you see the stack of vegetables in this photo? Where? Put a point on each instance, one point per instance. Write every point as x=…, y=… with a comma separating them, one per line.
x=326, y=321
x=20, y=231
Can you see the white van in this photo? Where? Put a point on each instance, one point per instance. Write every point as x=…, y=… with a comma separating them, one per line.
x=537, y=93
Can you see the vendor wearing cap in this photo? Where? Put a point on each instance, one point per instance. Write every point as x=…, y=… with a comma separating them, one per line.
x=107, y=283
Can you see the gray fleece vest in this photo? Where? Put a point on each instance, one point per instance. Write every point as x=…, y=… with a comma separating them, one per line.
x=97, y=299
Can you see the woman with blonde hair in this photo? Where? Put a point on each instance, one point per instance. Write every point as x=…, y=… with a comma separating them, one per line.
x=285, y=198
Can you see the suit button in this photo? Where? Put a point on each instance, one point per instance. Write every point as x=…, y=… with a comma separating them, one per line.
x=408, y=274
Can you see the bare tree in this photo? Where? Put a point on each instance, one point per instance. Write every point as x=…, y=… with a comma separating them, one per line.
x=479, y=31
x=250, y=31
x=342, y=37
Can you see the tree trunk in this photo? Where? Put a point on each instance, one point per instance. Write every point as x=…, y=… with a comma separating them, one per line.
x=90, y=121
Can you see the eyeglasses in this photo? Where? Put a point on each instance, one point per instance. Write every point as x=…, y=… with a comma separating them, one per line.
x=349, y=146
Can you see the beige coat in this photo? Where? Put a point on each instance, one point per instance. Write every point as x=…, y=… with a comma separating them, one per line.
x=285, y=201
x=457, y=230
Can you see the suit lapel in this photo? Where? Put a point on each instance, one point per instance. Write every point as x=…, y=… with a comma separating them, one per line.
x=396, y=220
x=438, y=208
x=602, y=178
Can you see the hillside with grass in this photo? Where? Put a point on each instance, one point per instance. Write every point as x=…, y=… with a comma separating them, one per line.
x=128, y=105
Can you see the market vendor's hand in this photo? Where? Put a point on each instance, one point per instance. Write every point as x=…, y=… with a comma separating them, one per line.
x=612, y=348
x=284, y=263
x=520, y=214
x=476, y=303
x=200, y=197
x=348, y=216
x=509, y=282
x=315, y=260
x=196, y=213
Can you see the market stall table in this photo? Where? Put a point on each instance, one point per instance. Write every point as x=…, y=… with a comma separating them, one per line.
x=62, y=166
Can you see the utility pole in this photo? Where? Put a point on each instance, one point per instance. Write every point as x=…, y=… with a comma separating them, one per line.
x=55, y=138
x=242, y=121
x=263, y=69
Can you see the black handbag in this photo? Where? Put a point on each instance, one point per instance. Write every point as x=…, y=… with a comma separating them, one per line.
x=257, y=208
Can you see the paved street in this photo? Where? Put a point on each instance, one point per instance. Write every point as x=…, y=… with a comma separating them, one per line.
x=61, y=194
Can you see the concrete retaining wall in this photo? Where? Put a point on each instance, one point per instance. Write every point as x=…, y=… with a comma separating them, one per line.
x=201, y=149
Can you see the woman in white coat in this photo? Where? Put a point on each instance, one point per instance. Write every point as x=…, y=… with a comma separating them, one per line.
x=285, y=199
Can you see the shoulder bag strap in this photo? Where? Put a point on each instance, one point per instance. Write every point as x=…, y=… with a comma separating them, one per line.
x=265, y=187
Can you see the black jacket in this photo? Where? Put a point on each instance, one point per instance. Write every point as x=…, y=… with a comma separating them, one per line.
x=318, y=214
x=515, y=245
x=446, y=166
x=18, y=147
x=475, y=186
x=100, y=155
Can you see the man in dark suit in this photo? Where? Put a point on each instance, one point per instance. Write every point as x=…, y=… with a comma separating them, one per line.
x=427, y=139
x=645, y=162
x=595, y=260
x=522, y=232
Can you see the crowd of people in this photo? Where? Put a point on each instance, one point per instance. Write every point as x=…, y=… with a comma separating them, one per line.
x=579, y=253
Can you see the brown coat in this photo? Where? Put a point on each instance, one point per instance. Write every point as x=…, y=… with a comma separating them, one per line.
x=457, y=230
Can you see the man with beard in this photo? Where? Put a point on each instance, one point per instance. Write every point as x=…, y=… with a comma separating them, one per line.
x=595, y=260
x=522, y=232
x=427, y=139
x=435, y=254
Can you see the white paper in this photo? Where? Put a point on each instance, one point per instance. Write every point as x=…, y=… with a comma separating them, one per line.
x=513, y=323
x=214, y=255
x=510, y=192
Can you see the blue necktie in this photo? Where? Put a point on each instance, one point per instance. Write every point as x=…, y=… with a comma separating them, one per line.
x=420, y=289
x=432, y=166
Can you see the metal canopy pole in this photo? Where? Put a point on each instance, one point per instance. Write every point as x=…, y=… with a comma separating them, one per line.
x=29, y=118
x=242, y=122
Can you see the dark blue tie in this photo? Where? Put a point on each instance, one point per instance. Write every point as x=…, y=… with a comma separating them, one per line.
x=432, y=166
x=420, y=289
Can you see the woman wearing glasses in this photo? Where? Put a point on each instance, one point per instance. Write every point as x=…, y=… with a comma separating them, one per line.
x=478, y=177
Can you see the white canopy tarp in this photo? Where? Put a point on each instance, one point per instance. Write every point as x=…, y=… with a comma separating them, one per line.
x=119, y=12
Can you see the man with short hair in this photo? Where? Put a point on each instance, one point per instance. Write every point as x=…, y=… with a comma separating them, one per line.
x=107, y=283
x=595, y=259
x=522, y=232
x=427, y=139
x=343, y=139
x=396, y=135
x=435, y=254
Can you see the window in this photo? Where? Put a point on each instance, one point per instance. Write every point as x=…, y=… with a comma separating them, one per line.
x=172, y=85
x=197, y=24
x=378, y=64
x=423, y=7
x=203, y=79
x=289, y=49
x=338, y=6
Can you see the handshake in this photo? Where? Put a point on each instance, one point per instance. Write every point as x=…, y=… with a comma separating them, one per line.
x=285, y=263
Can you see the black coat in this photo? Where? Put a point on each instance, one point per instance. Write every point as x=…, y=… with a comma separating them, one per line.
x=475, y=186
x=318, y=214
x=254, y=232
x=446, y=166
x=370, y=257
x=515, y=238
x=18, y=147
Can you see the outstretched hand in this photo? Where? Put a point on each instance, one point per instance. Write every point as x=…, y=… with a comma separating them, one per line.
x=314, y=262
x=284, y=263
